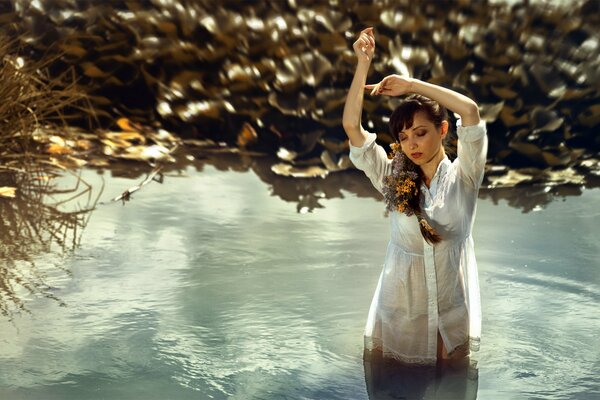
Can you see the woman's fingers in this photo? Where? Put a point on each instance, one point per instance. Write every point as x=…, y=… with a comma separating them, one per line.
x=371, y=39
x=365, y=39
x=368, y=34
x=364, y=46
x=376, y=89
x=379, y=88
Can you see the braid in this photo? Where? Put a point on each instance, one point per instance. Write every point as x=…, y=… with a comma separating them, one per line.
x=429, y=234
x=402, y=192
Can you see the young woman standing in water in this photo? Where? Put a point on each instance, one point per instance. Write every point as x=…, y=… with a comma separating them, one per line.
x=426, y=306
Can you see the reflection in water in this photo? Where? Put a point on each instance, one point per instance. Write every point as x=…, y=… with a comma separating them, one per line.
x=34, y=223
x=532, y=197
x=307, y=192
x=387, y=379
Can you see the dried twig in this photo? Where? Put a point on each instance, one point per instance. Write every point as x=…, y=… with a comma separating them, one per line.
x=125, y=196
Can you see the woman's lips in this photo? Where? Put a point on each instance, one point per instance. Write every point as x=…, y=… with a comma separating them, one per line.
x=416, y=155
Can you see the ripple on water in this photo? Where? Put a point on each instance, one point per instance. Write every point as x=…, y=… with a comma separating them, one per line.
x=267, y=306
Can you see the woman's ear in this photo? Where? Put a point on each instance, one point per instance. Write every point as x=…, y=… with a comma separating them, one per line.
x=444, y=127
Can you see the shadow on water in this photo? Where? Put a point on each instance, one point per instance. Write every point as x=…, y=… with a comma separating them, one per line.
x=387, y=379
x=36, y=223
x=308, y=193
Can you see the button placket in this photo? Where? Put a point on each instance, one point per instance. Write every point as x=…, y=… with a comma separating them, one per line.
x=432, y=300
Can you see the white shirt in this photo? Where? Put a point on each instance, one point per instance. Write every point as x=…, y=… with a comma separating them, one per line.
x=427, y=288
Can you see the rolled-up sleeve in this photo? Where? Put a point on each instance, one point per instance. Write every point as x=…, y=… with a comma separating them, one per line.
x=372, y=159
x=471, y=152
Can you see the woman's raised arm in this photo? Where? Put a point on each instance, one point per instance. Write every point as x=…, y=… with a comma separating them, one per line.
x=396, y=85
x=364, y=48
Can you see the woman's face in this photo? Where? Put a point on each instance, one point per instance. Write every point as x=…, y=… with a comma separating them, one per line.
x=423, y=140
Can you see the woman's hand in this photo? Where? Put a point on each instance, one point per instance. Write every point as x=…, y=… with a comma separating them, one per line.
x=391, y=85
x=364, y=47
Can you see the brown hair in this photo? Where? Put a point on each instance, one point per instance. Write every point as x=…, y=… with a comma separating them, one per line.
x=402, y=118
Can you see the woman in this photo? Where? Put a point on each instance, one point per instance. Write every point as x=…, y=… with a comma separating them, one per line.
x=426, y=306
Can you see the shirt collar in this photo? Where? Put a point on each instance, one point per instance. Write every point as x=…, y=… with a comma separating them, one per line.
x=441, y=170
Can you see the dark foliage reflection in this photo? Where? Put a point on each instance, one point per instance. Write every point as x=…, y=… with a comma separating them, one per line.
x=37, y=227
x=309, y=193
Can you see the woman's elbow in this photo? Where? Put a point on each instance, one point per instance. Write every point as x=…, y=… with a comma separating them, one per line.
x=355, y=134
x=351, y=127
x=470, y=115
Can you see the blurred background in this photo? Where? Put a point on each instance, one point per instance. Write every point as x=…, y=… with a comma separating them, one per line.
x=271, y=76
x=180, y=218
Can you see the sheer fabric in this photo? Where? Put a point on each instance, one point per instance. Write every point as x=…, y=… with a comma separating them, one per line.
x=427, y=288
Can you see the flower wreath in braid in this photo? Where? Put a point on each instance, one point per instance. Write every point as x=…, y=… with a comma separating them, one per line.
x=402, y=193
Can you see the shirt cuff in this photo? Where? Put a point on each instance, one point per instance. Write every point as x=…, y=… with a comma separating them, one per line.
x=370, y=140
x=471, y=133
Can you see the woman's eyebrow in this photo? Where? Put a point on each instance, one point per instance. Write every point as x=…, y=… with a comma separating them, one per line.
x=415, y=127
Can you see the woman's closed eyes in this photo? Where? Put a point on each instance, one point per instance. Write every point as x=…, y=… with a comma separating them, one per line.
x=419, y=134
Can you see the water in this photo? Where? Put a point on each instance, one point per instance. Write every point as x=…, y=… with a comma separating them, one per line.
x=208, y=286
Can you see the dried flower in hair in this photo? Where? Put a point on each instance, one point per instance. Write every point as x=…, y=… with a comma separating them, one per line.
x=400, y=189
x=402, y=193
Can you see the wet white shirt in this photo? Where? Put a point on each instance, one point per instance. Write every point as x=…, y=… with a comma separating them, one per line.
x=427, y=288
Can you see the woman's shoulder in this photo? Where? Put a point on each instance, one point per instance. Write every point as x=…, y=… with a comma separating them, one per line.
x=471, y=132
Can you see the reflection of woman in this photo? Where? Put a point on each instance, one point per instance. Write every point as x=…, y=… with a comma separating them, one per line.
x=426, y=306
x=387, y=380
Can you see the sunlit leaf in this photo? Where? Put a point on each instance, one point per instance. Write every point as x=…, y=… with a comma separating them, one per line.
x=565, y=176
x=68, y=162
x=247, y=135
x=73, y=50
x=543, y=120
x=591, y=116
x=55, y=148
x=296, y=172
x=504, y=92
x=285, y=154
x=512, y=178
x=98, y=162
x=146, y=153
x=8, y=191
x=332, y=164
x=123, y=139
x=549, y=80
x=490, y=112
x=510, y=119
x=127, y=125
x=83, y=144
x=93, y=71
x=167, y=27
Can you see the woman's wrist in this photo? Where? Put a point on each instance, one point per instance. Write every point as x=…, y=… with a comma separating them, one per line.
x=413, y=85
x=363, y=63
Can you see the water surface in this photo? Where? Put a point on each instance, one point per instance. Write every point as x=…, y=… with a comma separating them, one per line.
x=209, y=286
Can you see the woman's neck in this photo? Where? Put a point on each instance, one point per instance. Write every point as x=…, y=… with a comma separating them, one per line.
x=431, y=166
